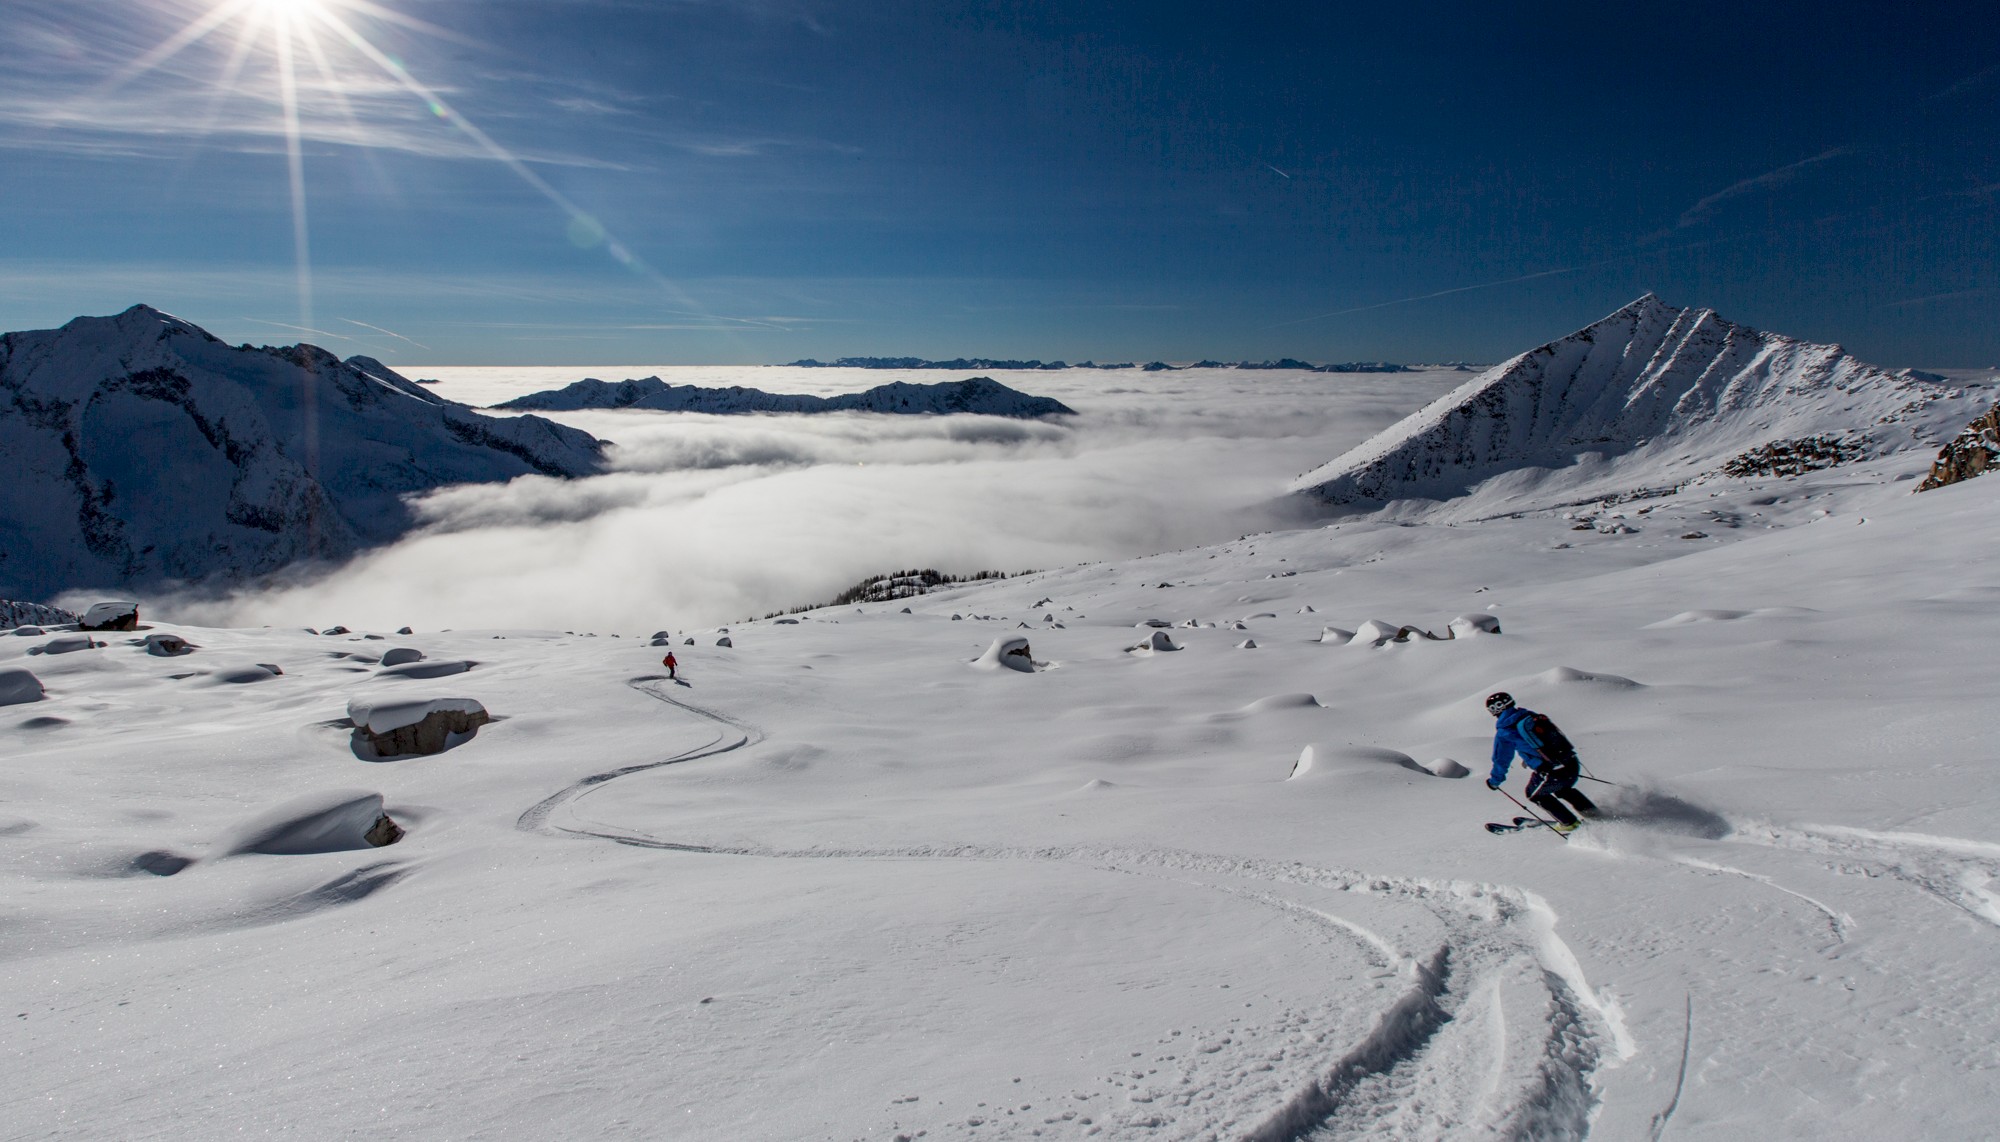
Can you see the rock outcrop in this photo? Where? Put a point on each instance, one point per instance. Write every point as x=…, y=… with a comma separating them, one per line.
x=1970, y=453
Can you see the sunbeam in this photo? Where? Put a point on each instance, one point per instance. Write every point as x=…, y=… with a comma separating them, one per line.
x=294, y=27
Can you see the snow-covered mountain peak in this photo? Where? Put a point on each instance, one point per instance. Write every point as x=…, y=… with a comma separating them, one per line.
x=143, y=448
x=1650, y=394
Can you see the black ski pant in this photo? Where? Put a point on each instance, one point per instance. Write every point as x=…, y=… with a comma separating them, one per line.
x=1554, y=780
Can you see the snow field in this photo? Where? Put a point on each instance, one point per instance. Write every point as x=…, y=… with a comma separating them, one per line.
x=843, y=884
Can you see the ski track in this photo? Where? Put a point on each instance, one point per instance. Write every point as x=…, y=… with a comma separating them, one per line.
x=1402, y=1079
x=1661, y=1119
x=1954, y=870
x=1837, y=922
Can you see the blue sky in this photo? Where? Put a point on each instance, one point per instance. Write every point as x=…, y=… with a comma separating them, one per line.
x=623, y=181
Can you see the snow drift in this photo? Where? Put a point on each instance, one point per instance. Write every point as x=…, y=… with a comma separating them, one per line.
x=1672, y=393
x=143, y=449
x=336, y=821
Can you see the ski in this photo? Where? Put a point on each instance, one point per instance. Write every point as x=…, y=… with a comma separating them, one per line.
x=1518, y=824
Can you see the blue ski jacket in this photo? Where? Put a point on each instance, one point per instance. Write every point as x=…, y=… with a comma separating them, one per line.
x=1512, y=735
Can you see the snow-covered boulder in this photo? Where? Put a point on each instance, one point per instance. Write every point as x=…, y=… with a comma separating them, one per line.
x=1375, y=632
x=425, y=668
x=1468, y=626
x=18, y=686
x=246, y=675
x=168, y=646
x=115, y=615
x=398, y=655
x=66, y=644
x=725, y=640
x=394, y=727
x=1247, y=644
x=141, y=448
x=1159, y=640
x=1010, y=651
x=1678, y=391
x=337, y=820
x=29, y=632
x=1446, y=767
x=1336, y=636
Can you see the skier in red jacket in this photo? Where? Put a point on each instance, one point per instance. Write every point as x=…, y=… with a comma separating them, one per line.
x=670, y=664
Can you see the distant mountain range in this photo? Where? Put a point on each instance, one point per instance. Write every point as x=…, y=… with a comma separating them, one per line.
x=976, y=395
x=140, y=449
x=967, y=363
x=1652, y=395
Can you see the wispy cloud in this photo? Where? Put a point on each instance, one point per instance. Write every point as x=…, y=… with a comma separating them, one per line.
x=1701, y=211
x=1954, y=295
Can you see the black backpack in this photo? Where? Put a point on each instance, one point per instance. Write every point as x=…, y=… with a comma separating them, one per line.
x=1555, y=746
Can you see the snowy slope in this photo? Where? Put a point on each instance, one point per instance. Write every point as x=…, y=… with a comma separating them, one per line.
x=1649, y=396
x=140, y=448
x=977, y=395
x=846, y=884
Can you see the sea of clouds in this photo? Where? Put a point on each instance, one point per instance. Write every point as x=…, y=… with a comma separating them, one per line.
x=710, y=519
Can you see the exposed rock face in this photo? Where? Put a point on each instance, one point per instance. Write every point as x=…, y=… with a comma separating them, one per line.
x=1973, y=451
x=1791, y=457
x=141, y=449
x=1651, y=394
x=980, y=395
x=14, y=614
x=396, y=728
x=397, y=656
x=110, y=616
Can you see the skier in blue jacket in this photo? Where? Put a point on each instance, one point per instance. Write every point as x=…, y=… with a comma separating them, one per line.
x=1554, y=766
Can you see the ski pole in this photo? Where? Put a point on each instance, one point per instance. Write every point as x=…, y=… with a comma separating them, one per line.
x=1601, y=781
x=1530, y=812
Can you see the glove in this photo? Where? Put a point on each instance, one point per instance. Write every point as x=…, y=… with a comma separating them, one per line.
x=1492, y=784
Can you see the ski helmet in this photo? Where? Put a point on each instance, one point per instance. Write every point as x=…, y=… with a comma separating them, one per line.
x=1499, y=702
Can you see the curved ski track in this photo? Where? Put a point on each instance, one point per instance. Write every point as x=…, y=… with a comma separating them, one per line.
x=1407, y=1077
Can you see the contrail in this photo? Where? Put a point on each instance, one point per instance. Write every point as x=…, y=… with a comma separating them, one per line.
x=1279, y=173
x=390, y=332
x=1428, y=296
x=300, y=328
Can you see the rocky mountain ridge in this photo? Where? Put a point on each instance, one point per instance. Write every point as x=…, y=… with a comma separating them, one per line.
x=976, y=395
x=1649, y=395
